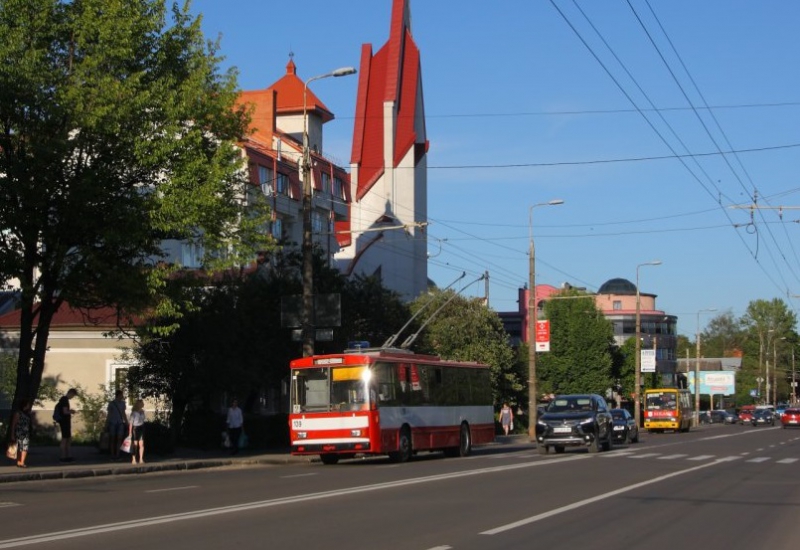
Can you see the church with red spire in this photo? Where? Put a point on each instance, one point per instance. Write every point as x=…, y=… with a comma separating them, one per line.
x=388, y=176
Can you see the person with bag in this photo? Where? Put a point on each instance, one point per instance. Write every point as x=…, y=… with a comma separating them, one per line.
x=21, y=433
x=235, y=421
x=62, y=415
x=136, y=431
x=117, y=422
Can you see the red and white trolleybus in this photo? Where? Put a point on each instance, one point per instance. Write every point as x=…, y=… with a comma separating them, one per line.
x=388, y=401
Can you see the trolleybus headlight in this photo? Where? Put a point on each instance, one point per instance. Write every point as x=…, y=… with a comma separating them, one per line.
x=302, y=435
x=355, y=433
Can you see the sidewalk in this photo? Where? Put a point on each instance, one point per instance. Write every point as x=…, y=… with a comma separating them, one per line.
x=43, y=462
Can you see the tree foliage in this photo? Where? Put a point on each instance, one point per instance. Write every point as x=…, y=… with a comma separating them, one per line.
x=581, y=347
x=466, y=330
x=117, y=130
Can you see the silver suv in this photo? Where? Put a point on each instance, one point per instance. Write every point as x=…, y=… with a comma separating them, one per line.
x=582, y=420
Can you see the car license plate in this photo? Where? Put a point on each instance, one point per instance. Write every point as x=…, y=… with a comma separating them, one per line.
x=562, y=430
x=619, y=428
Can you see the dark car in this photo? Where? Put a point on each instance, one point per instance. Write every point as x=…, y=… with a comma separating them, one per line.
x=625, y=428
x=763, y=417
x=791, y=418
x=718, y=417
x=575, y=421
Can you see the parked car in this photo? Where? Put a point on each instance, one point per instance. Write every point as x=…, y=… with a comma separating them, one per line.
x=625, y=428
x=581, y=420
x=719, y=417
x=763, y=417
x=790, y=418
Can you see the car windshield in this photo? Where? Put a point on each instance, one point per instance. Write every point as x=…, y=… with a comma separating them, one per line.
x=570, y=404
x=618, y=415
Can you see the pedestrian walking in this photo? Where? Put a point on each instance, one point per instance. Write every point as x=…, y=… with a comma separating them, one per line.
x=63, y=416
x=136, y=431
x=506, y=418
x=21, y=431
x=235, y=422
x=117, y=422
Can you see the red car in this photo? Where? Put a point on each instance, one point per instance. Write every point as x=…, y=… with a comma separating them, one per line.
x=746, y=414
x=790, y=418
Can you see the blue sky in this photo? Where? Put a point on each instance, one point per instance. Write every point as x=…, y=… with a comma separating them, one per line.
x=655, y=121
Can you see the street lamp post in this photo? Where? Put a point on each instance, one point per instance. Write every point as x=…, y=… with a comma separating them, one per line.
x=697, y=370
x=308, y=243
x=637, y=390
x=533, y=409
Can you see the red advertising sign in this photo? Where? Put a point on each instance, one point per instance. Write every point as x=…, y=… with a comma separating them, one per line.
x=543, y=335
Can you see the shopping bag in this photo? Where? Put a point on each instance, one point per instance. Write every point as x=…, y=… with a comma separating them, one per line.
x=243, y=440
x=11, y=452
x=126, y=445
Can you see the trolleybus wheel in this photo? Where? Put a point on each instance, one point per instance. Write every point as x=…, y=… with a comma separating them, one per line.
x=329, y=458
x=404, y=451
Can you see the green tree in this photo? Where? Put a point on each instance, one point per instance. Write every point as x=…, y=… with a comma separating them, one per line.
x=466, y=330
x=581, y=356
x=723, y=336
x=117, y=130
x=766, y=323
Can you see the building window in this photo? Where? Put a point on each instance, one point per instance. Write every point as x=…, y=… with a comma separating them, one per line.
x=265, y=180
x=318, y=224
x=277, y=228
x=191, y=255
x=282, y=184
x=325, y=184
x=338, y=190
x=617, y=304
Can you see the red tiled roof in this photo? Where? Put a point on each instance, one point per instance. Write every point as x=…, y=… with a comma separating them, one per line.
x=290, y=95
x=68, y=317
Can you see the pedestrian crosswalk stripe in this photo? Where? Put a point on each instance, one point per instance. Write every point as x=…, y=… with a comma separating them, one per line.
x=759, y=459
x=700, y=457
x=671, y=457
x=787, y=461
x=645, y=455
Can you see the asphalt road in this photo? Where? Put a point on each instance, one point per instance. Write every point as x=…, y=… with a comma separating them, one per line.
x=715, y=487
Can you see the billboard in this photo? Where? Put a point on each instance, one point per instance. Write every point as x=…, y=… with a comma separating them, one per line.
x=714, y=382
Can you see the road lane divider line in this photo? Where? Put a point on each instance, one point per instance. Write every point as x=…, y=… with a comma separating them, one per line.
x=701, y=457
x=244, y=507
x=599, y=498
x=672, y=457
x=787, y=461
x=168, y=489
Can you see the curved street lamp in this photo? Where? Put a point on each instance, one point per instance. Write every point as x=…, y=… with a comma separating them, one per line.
x=532, y=400
x=308, y=243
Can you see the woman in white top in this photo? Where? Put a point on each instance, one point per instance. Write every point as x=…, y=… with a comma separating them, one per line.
x=136, y=431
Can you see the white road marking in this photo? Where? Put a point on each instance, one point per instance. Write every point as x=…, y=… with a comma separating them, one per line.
x=758, y=459
x=298, y=475
x=645, y=455
x=172, y=489
x=701, y=457
x=198, y=514
x=672, y=457
x=599, y=498
x=787, y=461
x=9, y=504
